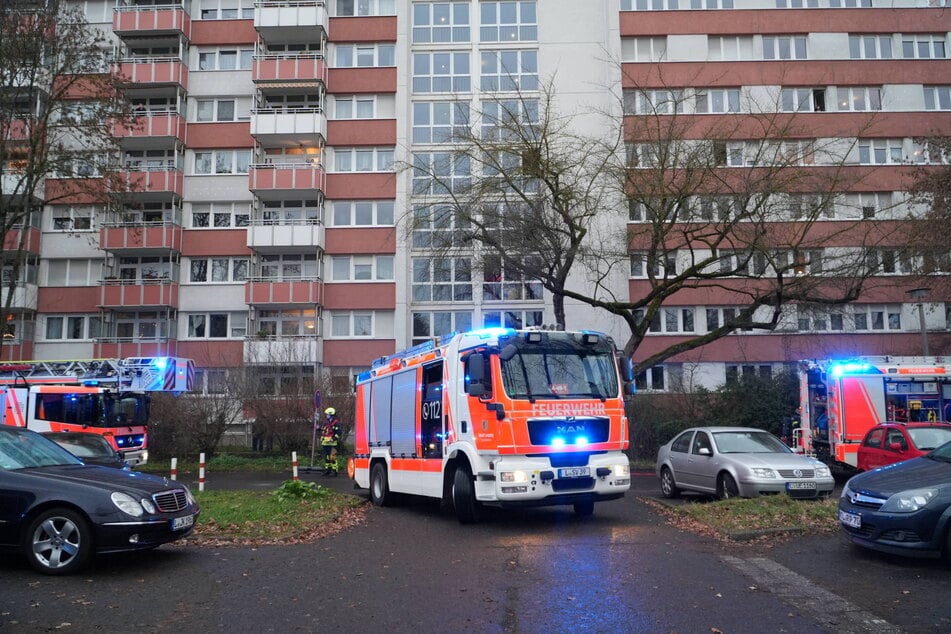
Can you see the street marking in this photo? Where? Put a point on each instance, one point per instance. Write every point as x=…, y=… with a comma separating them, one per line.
x=826, y=608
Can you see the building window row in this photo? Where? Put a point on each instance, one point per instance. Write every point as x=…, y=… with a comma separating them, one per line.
x=220, y=325
x=364, y=55
x=500, y=21
x=362, y=268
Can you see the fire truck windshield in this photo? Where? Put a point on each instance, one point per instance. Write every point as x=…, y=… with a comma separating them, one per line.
x=557, y=368
x=93, y=409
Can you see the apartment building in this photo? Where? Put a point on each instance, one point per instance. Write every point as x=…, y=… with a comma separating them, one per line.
x=269, y=219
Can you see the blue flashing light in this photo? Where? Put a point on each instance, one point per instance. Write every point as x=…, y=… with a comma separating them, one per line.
x=839, y=369
x=91, y=383
x=581, y=441
x=161, y=362
x=489, y=333
x=557, y=441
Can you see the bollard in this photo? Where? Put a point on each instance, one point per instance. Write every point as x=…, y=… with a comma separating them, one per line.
x=294, y=463
x=201, y=471
x=174, y=468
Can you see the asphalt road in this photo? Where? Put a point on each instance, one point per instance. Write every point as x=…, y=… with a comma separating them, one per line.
x=415, y=569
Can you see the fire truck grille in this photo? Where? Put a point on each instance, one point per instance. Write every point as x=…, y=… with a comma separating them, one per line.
x=545, y=431
x=791, y=473
x=171, y=501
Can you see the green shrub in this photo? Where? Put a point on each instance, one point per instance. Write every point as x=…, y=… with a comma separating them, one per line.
x=299, y=490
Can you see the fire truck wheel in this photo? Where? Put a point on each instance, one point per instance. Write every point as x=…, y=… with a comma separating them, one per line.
x=667, y=485
x=584, y=509
x=726, y=487
x=58, y=541
x=379, y=485
x=468, y=509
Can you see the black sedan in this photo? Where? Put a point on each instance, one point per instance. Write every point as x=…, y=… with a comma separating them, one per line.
x=59, y=511
x=902, y=508
x=88, y=447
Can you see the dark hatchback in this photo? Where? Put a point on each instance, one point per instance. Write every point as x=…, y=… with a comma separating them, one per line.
x=58, y=511
x=902, y=508
x=90, y=448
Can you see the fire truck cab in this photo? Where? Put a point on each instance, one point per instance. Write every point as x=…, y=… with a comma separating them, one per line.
x=496, y=417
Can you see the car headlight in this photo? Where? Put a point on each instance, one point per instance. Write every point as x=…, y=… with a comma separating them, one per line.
x=764, y=473
x=148, y=506
x=189, y=496
x=127, y=504
x=513, y=476
x=823, y=472
x=909, y=501
x=622, y=470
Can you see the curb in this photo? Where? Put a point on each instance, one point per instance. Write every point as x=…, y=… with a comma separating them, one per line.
x=748, y=536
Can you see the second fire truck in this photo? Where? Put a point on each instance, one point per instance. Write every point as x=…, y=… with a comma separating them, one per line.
x=109, y=397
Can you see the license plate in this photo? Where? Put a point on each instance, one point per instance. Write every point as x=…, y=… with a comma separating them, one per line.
x=850, y=519
x=574, y=472
x=800, y=486
x=182, y=522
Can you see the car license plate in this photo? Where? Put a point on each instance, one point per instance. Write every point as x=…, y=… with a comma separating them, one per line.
x=574, y=472
x=800, y=486
x=850, y=519
x=182, y=522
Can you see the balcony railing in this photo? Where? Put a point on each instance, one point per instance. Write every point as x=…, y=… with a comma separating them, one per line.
x=151, y=20
x=271, y=290
x=153, y=70
x=287, y=177
x=301, y=69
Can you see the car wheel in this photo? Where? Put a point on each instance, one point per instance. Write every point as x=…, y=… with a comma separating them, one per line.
x=726, y=487
x=379, y=485
x=468, y=508
x=58, y=541
x=667, y=485
x=584, y=509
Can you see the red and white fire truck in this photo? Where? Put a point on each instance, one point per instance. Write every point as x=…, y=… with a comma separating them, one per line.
x=496, y=417
x=104, y=396
x=842, y=399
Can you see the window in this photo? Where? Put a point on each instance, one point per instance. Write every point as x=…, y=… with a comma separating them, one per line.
x=363, y=159
x=440, y=121
x=651, y=379
x=154, y=105
x=504, y=119
x=653, y=101
x=877, y=317
x=440, y=22
x=438, y=227
x=290, y=212
x=220, y=215
x=729, y=154
x=141, y=326
x=225, y=59
x=354, y=107
x=147, y=270
x=923, y=47
x=429, y=324
x=807, y=206
x=217, y=325
x=797, y=4
x=734, y=372
x=287, y=323
x=889, y=262
x=866, y=204
x=365, y=7
x=365, y=55
x=150, y=213
x=660, y=266
x=77, y=272
x=859, y=99
x=644, y=49
x=720, y=317
x=870, y=46
x=288, y=266
x=442, y=280
x=362, y=213
x=151, y=160
x=502, y=285
x=729, y=47
x=437, y=173
x=717, y=101
x=670, y=320
x=210, y=381
x=784, y=47
x=508, y=21
x=218, y=270
x=223, y=162
x=351, y=324
x=223, y=9
x=850, y=4
x=880, y=151
x=362, y=268
x=222, y=110
x=287, y=103
x=72, y=327
x=284, y=379
x=72, y=218
x=802, y=100
x=512, y=318
x=937, y=97
x=442, y=72
x=819, y=319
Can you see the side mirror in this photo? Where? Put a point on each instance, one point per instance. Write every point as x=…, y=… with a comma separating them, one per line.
x=895, y=446
x=705, y=451
x=475, y=368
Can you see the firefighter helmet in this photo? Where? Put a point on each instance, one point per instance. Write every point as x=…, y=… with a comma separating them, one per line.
x=330, y=411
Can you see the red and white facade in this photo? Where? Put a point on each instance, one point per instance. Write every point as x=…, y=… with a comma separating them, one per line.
x=268, y=219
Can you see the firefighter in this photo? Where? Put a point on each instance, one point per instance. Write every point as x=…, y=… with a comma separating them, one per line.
x=329, y=437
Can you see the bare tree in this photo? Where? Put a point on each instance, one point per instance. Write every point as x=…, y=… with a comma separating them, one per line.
x=930, y=188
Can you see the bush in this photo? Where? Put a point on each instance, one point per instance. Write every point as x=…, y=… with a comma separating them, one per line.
x=299, y=490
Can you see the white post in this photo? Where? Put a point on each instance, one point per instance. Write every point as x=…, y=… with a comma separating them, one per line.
x=201, y=471
x=294, y=463
x=174, y=468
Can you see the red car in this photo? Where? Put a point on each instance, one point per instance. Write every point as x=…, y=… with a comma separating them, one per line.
x=894, y=442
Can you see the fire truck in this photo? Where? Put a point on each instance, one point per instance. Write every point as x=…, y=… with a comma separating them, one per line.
x=103, y=396
x=498, y=417
x=840, y=400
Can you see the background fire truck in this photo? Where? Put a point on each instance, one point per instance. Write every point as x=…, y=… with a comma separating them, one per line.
x=104, y=396
x=495, y=417
x=841, y=400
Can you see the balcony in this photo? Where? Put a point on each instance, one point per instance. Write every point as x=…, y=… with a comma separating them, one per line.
x=124, y=347
x=267, y=291
x=160, y=126
x=266, y=237
x=296, y=70
x=141, y=239
x=142, y=293
x=153, y=71
x=302, y=20
x=14, y=239
x=24, y=297
x=284, y=349
x=166, y=19
x=13, y=183
x=274, y=127
x=271, y=180
x=154, y=183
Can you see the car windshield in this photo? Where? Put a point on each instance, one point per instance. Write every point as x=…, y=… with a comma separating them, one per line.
x=748, y=442
x=942, y=453
x=927, y=438
x=84, y=445
x=22, y=449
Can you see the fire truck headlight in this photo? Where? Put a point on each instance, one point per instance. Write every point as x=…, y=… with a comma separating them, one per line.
x=766, y=474
x=127, y=504
x=513, y=476
x=622, y=470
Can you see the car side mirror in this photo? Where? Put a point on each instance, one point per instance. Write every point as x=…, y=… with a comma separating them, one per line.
x=895, y=446
x=705, y=451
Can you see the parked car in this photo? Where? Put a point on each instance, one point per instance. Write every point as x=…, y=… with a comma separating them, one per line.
x=894, y=442
x=902, y=508
x=88, y=447
x=738, y=461
x=58, y=511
